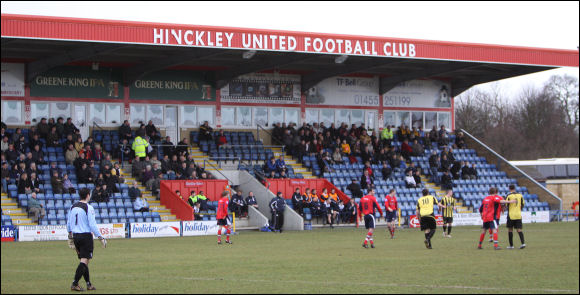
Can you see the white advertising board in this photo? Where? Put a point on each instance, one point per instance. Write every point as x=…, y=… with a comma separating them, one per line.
x=112, y=230
x=29, y=233
x=12, y=79
x=199, y=228
x=419, y=94
x=155, y=229
x=475, y=219
x=345, y=91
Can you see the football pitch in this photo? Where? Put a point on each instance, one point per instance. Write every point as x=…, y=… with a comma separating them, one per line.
x=318, y=261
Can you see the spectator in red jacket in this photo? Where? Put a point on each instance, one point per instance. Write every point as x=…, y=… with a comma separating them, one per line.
x=221, y=139
x=406, y=150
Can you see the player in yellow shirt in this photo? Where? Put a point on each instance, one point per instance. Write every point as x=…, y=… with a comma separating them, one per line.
x=514, y=219
x=447, y=205
x=426, y=213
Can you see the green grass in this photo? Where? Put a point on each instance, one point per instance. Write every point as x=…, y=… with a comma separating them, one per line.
x=319, y=261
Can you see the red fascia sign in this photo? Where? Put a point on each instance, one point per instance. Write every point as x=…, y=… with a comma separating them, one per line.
x=107, y=31
x=414, y=221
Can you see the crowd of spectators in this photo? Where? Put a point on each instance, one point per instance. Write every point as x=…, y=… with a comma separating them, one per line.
x=326, y=206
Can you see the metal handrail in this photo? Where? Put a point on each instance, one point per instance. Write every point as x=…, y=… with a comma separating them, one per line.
x=217, y=169
x=515, y=168
x=258, y=127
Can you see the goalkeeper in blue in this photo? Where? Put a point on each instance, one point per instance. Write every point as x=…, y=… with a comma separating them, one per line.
x=81, y=226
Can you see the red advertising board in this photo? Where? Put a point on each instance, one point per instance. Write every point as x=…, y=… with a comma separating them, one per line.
x=414, y=221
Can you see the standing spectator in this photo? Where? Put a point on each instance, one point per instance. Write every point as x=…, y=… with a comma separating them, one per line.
x=57, y=183
x=355, y=189
x=443, y=136
x=446, y=181
x=140, y=146
x=43, y=128
x=205, y=132
x=35, y=208
x=140, y=204
x=460, y=141
x=5, y=177
x=387, y=136
x=168, y=147
x=277, y=206
x=349, y=212
x=69, y=127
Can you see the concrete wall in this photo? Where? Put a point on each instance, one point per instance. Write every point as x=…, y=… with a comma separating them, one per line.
x=567, y=191
x=247, y=183
x=292, y=220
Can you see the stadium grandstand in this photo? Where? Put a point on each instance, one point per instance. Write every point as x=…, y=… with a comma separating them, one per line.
x=250, y=108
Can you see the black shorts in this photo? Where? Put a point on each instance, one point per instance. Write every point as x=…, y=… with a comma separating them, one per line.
x=447, y=220
x=84, y=245
x=428, y=222
x=391, y=216
x=369, y=221
x=517, y=223
x=222, y=222
x=490, y=225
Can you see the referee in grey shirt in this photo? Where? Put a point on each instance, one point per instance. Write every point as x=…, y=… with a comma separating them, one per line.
x=81, y=225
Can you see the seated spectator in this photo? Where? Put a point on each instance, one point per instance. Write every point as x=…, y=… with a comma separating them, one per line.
x=24, y=184
x=53, y=140
x=446, y=181
x=433, y=135
x=316, y=207
x=350, y=212
x=410, y=180
x=345, y=148
x=71, y=155
x=445, y=164
x=324, y=195
x=333, y=195
x=168, y=147
x=205, y=206
x=386, y=171
x=306, y=199
x=69, y=127
x=297, y=201
x=67, y=185
x=466, y=171
x=140, y=204
x=434, y=164
x=406, y=150
x=460, y=140
x=43, y=128
x=99, y=195
x=125, y=131
x=57, y=183
x=443, y=136
x=221, y=139
x=79, y=145
x=35, y=208
x=84, y=174
x=337, y=156
x=474, y=171
x=455, y=169
x=110, y=181
x=11, y=154
x=100, y=181
x=270, y=166
x=331, y=211
x=5, y=143
x=237, y=203
x=134, y=191
x=17, y=135
x=282, y=175
x=182, y=148
x=250, y=202
x=197, y=211
x=281, y=165
x=5, y=177
x=191, y=200
x=98, y=153
x=418, y=150
x=366, y=181
x=417, y=177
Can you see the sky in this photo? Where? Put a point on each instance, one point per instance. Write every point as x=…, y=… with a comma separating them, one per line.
x=532, y=24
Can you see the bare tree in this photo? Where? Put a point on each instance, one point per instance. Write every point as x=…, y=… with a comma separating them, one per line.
x=565, y=90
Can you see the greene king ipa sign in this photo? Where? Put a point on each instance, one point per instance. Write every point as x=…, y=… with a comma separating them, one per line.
x=78, y=82
x=174, y=85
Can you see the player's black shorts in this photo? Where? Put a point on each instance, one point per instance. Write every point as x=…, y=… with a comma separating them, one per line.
x=222, y=222
x=428, y=222
x=369, y=221
x=84, y=245
x=490, y=225
x=447, y=220
x=517, y=223
x=391, y=216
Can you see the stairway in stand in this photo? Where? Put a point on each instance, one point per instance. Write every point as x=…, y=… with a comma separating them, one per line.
x=298, y=168
x=154, y=204
x=199, y=157
x=18, y=215
x=440, y=193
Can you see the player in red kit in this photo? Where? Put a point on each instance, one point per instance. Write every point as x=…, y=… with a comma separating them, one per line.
x=391, y=207
x=489, y=211
x=222, y=218
x=368, y=204
x=497, y=215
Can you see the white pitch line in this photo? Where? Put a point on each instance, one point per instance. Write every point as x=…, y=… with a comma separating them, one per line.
x=326, y=282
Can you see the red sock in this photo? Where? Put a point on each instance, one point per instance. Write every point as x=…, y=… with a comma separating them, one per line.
x=219, y=235
x=393, y=231
x=481, y=237
x=490, y=232
x=495, y=237
x=228, y=233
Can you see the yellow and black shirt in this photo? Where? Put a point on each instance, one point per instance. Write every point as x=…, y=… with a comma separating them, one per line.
x=515, y=210
x=449, y=202
x=425, y=206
